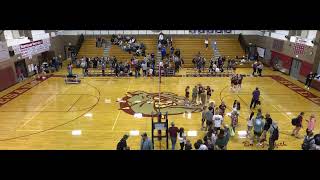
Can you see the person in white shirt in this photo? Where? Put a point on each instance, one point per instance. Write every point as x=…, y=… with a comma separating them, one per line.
x=203, y=147
x=182, y=137
x=259, y=68
x=144, y=68
x=161, y=64
x=206, y=42
x=250, y=124
x=218, y=120
x=150, y=72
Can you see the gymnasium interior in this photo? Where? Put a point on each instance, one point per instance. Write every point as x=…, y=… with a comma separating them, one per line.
x=71, y=105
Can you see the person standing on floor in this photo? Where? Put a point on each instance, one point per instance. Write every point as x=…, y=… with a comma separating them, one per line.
x=297, y=122
x=182, y=137
x=266, y=127
x=187, y=92
x=122, y=145
x=222, y=108
x=234, y=120
x=209, y=119
x=70, y=69
x=254, y=68
x=250, y=124
x=274, y=135
x=103, y=68
x=218, y=120
x=194, y=94
x=309, y=80
x=209, y=91
x=311, y=124
x=203, y=116
x=255, y=98
x=236, y=106
x=200, y=91
x=259, y=68
x=144, y=68
x=146, y=143
x=173, y=133
x=187, y=95
x=258, y=125
x=203, y=97
x=206, y=42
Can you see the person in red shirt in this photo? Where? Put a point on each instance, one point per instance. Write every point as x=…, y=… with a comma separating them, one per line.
x=173, y=133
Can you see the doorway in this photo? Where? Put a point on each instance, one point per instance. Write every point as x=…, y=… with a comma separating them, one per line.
x=295, y=68
x=21, y=64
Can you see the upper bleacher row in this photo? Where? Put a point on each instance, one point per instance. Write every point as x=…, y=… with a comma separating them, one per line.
x=189, y=47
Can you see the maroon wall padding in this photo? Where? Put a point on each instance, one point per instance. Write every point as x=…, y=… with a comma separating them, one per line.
x=306, y=68
x=7, y=78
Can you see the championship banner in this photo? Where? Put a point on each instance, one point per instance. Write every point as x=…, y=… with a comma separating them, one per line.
x=32, y=48
x=298, y=48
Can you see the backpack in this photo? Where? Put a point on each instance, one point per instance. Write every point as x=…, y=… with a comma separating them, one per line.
x=275, y=133
x=306, y=145
x=294, y=121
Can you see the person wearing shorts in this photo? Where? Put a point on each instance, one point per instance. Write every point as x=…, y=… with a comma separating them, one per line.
x=298, y=126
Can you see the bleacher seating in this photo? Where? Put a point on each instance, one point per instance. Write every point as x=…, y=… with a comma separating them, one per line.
x=89, y=48
x=190, y=46
x=229, y=46
x=150, y=43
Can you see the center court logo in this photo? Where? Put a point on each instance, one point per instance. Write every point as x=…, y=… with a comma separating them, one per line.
x=146, y=103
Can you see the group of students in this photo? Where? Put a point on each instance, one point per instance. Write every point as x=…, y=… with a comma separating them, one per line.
x=164, y=40
x=200, y=95
x=199, y=62
x=260, y=128
x=215, y=65
x=54, y=64
x=129, y=44
x=118, y=67
x=236, y=81
x=100, y=42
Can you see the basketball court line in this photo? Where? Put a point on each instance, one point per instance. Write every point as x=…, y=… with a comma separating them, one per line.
x=119, y=111
x=74, y=103
x=43, y=107
x=51, y=128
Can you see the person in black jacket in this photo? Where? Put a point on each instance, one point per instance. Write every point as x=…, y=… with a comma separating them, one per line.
x=122, y=145
x=309, y=80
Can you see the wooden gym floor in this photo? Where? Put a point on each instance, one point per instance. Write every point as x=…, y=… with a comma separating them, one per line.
x=45, y=115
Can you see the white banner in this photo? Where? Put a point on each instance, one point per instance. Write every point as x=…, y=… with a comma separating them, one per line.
x=300, y=40
x=32, y=48
x=4, y=52
x=261, y=51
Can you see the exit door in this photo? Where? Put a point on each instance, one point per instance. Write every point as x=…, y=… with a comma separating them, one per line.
x=295, y=68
